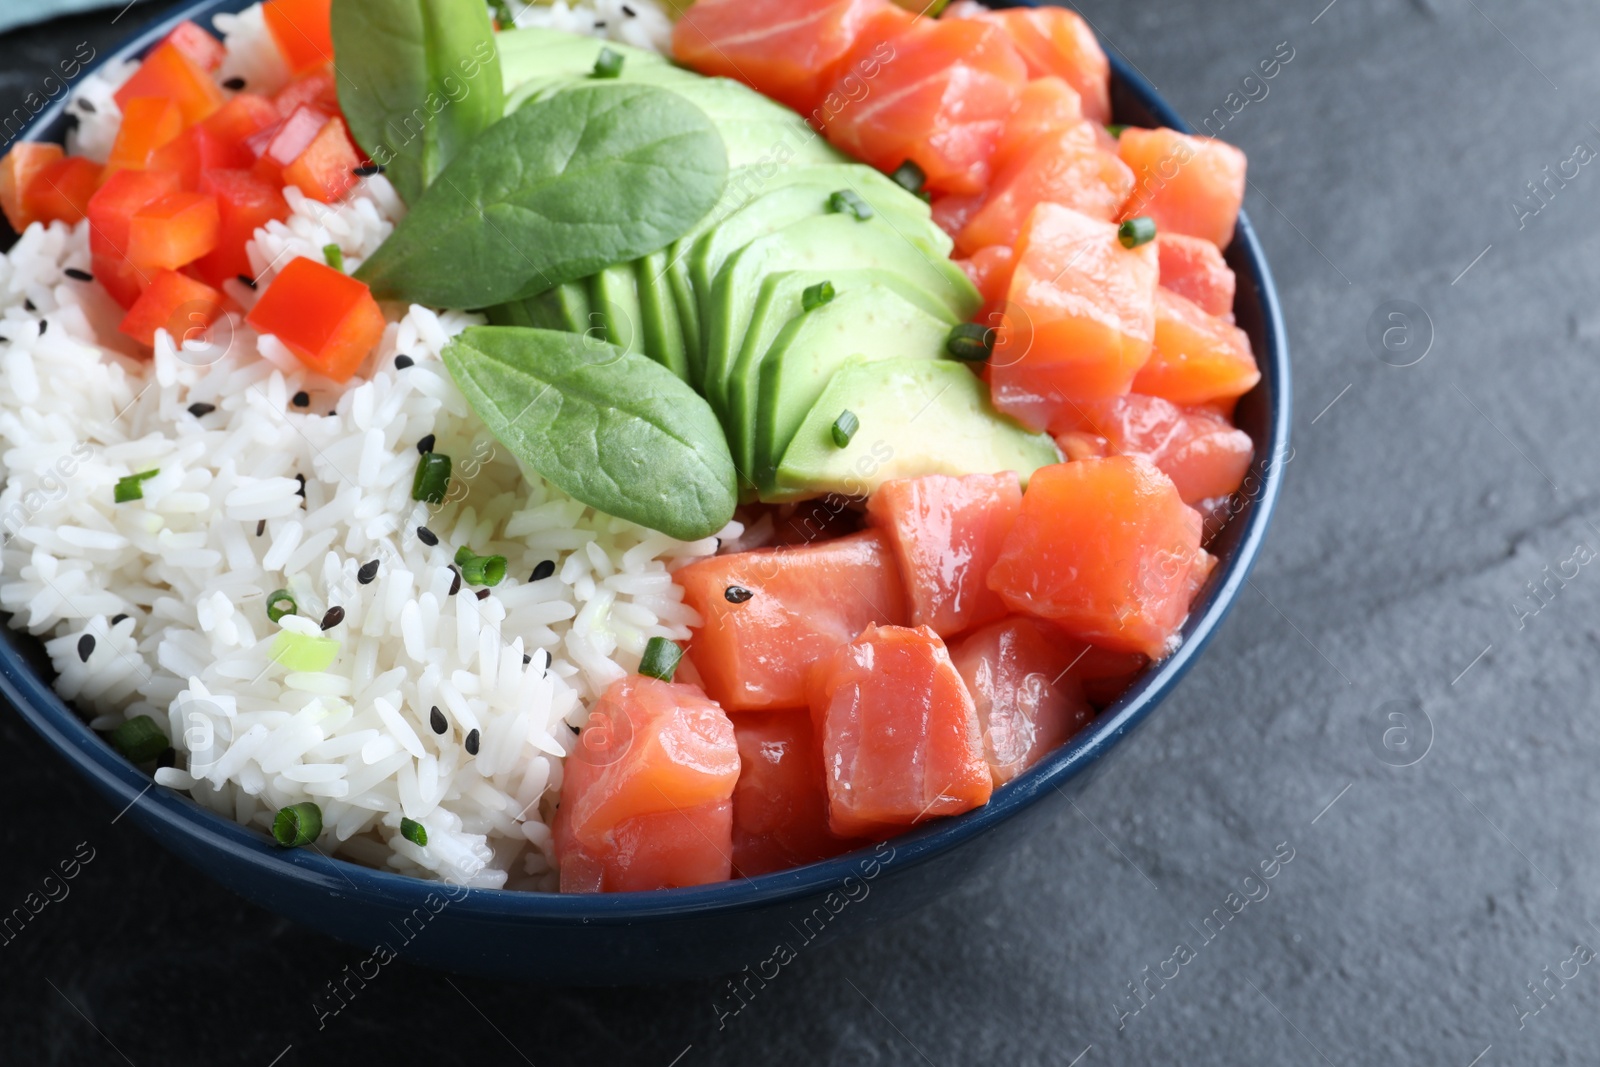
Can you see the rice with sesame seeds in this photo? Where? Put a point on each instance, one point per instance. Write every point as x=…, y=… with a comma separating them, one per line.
x=441, y=719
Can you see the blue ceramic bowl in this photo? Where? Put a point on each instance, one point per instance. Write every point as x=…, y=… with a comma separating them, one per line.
x=660, y=936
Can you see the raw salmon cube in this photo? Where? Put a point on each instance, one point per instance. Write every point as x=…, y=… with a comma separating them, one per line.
x=1198, y=449
x=1060, y=170
x=898, y=731
x=1106, y=549
x=1055, y=42
x=1189, y=185
x=1080, y=318
x=780, y=808
x=1197, y=358
x=1194, y=268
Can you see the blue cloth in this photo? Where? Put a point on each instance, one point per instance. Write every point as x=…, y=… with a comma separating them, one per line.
x=17, y=13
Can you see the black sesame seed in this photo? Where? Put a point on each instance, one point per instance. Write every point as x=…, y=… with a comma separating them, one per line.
x=402, y=361
x=200, y=410
x=427, y=536
x=168, y=758
x=302, y=399
x=425, y=445
x=367, y=170
x=232, y=84
x=630, y=12
x=472, y=743
x=737, y=594
x=526, y=659
x=436, y=720
x=44, y=324
x=368, y=571
x=87, y=106
x=78, y=275
x=301, y=492
x=455, y=582
x=599, y=24
x=86, y=647
x=483, y=594
x=117, y=618
x=333, y=618
x=261, y=527
x=29, y=305
x=247, y=281
x=543, y=571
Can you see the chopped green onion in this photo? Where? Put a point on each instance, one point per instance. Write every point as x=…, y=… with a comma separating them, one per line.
x=609, y=65
x=502, y=14
x=279, y=604
x=844, y=428
x=849, y=202
x=660, y=659
x=970, y=342
x=299, y=824
x=433, y=478
x=484, y=570
x=129, y=489
x=333, y=255
x=817, y=295
x=303, y=653
x=1115, y=129
x=1136, y=232
x=140, y=739
x=463, y=556
x=910, y=177
x=414, y=831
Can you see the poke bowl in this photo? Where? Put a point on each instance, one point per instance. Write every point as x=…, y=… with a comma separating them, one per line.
x=453, y=907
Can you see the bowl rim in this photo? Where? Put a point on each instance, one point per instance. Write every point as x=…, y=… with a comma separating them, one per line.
x=166, y=814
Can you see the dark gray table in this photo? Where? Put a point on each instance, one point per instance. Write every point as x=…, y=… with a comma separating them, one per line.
x=1389, y=701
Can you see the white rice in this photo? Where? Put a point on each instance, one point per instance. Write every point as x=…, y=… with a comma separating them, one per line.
x=641, y=23
x=173, y=588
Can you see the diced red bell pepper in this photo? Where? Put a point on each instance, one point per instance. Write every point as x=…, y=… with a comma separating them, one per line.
x=148, y=122
x=175, y=303
x=245, y=203
x=770, y=614
x=1019, y=672
x=18, y=168
x=198, y=149
x=281, y=144
x=61, y=192
x=198, y=46
x=302, y=30
x=123, y=281
x=173, y=231
x=324, y=316
x=1106, y=549
x=1189, y=185
x=167, y=74
x=316, y=88
x=898, y=732
x=114, y=204
x=946, y=533
x=1080, y=318
x=647, y=797
x=780, y=808
x=326, y=170
x=241, y=118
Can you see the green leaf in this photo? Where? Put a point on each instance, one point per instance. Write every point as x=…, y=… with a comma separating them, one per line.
x=418, y=80
x=614, y=429
x=552, y=193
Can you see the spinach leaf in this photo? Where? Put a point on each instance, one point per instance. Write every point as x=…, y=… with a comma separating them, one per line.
x=552, y=193
x=418, y=80
x=614, y=429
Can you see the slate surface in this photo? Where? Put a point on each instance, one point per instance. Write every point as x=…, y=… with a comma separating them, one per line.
x=1386, y=158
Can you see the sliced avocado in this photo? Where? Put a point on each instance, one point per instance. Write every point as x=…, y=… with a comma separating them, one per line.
x=614, y=295
x=916, y=417
x=536, y=57
x=748, y=184
x=658, y=314
x=830, y=241
x=773, y=393
x=566, y=307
